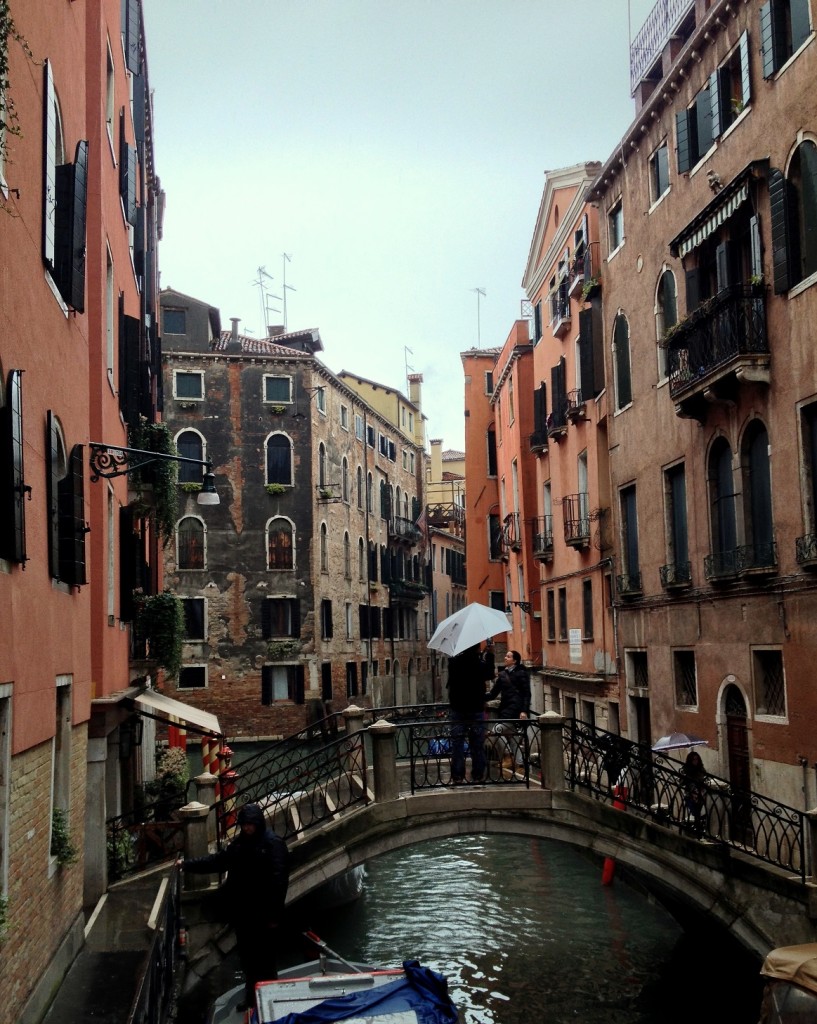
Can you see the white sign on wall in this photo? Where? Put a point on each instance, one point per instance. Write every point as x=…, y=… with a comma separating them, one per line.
x=575, y=638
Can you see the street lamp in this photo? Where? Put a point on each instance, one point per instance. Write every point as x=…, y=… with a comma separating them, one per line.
x=111, y=460
x=524, y=605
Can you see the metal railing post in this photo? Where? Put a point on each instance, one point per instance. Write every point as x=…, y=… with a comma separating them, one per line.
x=194, y=817
x=810, y=867
x=206, y=794
x=384, y=760
x=551, y=725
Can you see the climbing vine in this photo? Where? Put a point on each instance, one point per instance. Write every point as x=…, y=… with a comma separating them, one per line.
x=9, y=121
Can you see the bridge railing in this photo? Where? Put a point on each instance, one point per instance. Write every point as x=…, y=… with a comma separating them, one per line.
x=653, y=785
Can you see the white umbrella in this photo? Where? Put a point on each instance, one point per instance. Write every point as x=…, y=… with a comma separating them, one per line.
x=467, y=627
x=677, y=740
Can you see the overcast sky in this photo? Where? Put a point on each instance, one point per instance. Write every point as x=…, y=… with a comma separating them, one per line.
x=394, y=149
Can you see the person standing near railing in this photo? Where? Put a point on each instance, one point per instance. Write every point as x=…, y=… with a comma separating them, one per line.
x=466, y=698
x=512, y=687
x=694, y=775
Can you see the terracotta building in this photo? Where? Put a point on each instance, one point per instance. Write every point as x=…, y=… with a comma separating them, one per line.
x=306, y=588
x=80, y=206
x=708, y=227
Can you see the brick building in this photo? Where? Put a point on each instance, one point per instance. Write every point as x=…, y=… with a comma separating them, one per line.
x=306, y=588
x=709, y=226
x=80, y=209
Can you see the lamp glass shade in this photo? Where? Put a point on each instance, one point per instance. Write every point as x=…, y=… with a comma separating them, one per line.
x=208, y=495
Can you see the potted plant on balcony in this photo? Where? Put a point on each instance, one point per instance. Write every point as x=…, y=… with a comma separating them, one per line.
x=275, y=488
x=160, y=620
x=590, y=287
x=160, y=476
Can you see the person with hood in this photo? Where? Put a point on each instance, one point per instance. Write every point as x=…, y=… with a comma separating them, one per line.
x=466, y=698
x=257, y=867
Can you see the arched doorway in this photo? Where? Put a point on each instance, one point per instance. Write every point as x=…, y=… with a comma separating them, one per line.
x=740, y=776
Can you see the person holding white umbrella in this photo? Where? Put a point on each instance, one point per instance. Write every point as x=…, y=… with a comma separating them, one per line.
x=466, y=697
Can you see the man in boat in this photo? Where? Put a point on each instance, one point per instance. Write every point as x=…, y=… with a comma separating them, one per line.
x=257, y=866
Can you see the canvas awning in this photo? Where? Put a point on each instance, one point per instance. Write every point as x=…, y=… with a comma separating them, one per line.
x=715, y=213
x=165, y=709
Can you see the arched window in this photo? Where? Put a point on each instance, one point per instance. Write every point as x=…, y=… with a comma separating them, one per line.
x=369, y=488
x=803, y=179
x=322, y=465
x=324, y=548
x=359, y=487
x=666, y=316
x=347, y=557
x=722, y=509
x=621, y=355
x=279, y=459
x=361, y=559
x=280, y=544
x=344, y=482
x=757, y=492
x=190, y=543
x=190, y=445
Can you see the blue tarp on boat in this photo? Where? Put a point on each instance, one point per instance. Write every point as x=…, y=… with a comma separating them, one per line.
x=421, y=990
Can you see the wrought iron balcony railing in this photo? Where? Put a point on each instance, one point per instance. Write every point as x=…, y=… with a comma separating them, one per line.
x=576, y=519
x=806, y=550
x=512, y=531
x=543, y=538
x=748, y=558
x=729, y=327
x=401, y=528
x=675, y=575
x=539, y=441
x=576, y=406
x=629, y=584
x=646, y=48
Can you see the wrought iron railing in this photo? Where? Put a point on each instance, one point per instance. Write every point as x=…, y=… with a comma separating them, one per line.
x=805, y=548
x=576, y=518
x=653, y=785
x=646, y=48
x=575, y=404
x=542, y=536
x=743, y=559
x=721, y=564
x=538, y=440
x=731, y=324
x=629, y=584
x=143, y=837
x=404, y=529
x=512, y=531
x=675, y=574
x=155, y=993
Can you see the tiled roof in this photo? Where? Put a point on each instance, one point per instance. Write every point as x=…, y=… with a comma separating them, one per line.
x=260, y=346
x=452, y=455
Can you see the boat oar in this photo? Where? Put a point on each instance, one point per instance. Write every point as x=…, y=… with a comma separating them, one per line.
x=325, y=949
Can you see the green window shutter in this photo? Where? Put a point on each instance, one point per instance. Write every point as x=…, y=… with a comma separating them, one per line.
x=717, y=95
x=71, y=500
x=49, y=165
x=69, y=229
x=683, y=140
x=586, y=362
x=779, y=212
x=13, y=490
x=745, y=71
x=52, y=493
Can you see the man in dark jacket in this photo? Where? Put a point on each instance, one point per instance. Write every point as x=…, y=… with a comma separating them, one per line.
x=257, y=866
x=466, y=697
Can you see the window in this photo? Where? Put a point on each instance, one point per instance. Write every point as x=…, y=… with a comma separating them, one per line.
x=693, y=130
x=61, y=750
x=370, y=436
x=659, y=172
x=322, y=465
x=324, y=541
x=359, y=487
x=279, y=459
x=490, y=438
x=587, y=609
x=494, y=536
x=631, y=578
x=326, y=619
x=686, y=679
x=729, y=87
x=757, y=496
x=511, y=414
x=784, y=27
x=344, y=480
x=808, y=435
x=666, y=315
x=110, y=94
x=13, y=495
x=551, y=615
x=320, y=400
x=190, y=445
x=383, y=444
x=282, y=683
x=347, y=556
x=369, y=496
x=489, y=382
x=722, y=509
x=615, y=226
x=66, y=508
x=280, y=617
x=193, y=677
x=563, y=613
x=361, y=559
x=110, y=315
x=621, y=354
x=537, y=323
x=188, y=385
x=174, y=321
x=277, y=390
x=769, y=682
x=349, y=619
x=5, y=783
x=344, y=417
x=351, y=678
x=358, y=426
x=190, y=552
x=280, y=544
x=677, y=569
x=194, y=627
x=636, y=670
x=793, y=203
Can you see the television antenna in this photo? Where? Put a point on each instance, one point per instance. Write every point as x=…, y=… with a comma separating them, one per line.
x=265, y=295
x=286, y=258
x=480, y=292
x=406, y=353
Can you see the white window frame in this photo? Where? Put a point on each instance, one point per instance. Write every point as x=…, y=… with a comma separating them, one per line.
x=188, y=373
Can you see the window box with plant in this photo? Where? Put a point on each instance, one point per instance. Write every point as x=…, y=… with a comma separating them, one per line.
x=191, y=487
x=276, y=488
x=277, y=410
x=62, y=844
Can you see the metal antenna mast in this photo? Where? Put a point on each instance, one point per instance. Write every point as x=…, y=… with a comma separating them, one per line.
x=266, y=295
x=480, y=292
x=286, y=258
x=406, y=353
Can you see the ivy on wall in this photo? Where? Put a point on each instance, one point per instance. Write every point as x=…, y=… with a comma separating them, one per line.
x=9, y=121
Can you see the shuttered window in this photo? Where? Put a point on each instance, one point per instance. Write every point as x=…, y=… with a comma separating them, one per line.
x=13, y=488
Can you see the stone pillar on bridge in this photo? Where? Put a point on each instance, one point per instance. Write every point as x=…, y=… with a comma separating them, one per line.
x=552, y=748
x=811, y=844
x=354, y=719
x=384, y=756
x=206, y=794
x=194, y=818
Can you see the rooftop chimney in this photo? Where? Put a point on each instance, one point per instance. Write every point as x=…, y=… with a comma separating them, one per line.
x=235, y=344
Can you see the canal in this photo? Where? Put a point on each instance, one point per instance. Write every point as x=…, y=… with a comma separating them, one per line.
x=525, y=932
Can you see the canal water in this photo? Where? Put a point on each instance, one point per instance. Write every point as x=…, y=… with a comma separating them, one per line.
x=526, y=934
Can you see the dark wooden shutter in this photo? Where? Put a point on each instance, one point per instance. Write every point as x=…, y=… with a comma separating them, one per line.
x=128, y=563
x=725, y=260
x=756, y=248
x=14, y=491
x=71, y=499
x=537, y=321
x=363, y=616
x=138, y=108
x=540, y=408
x=682, y=140
x=693, y=288
x=52, y=449
x=718, y=94
x=69, y=233
x=127, y=173
x=327, y=620
x=129, y=368
x=299, y=684
x=374, y=623
x=773, y=36
x=133, y=56
x=49, y=165
x=388, y=623
x=586, y=364
x=745, y=70
x=779, y=212
x=558, y=397
x=703, y=123
x=295, y=617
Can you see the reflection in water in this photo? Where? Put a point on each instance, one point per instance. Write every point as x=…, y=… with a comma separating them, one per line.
x=525, y=932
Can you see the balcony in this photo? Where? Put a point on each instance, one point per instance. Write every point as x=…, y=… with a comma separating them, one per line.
x=543, y=538
x=512, y=532
x=806, y=551
x=629, y=585
x=584, y=269
x=407, y=590
x=327, y=493
x=715, y=348
x=662, y=22
x=745, y=561
x=539, y=442
x=575, y=508
x=576, y=406
x=447, y=516
x=676, y=575
x=560, y=313
x=404, y=530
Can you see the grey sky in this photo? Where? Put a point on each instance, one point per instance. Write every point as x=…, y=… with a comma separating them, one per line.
x=396, y=149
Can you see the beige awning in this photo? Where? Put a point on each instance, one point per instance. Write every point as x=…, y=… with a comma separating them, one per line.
x=157, y=705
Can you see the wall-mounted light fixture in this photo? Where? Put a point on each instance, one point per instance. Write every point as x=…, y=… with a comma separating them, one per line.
x=524, y=605
x=110, y=460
